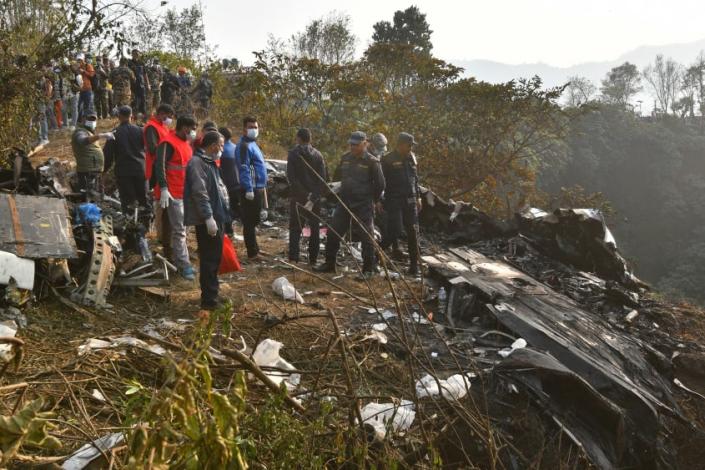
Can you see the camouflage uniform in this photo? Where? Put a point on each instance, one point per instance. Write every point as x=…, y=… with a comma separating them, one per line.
x=101, y=94
x=202, y=93
x=154, y=75
x=183, y=105
x=122, y=79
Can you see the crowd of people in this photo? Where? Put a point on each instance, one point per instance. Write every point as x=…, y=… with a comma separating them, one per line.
x=71, y=89
x=209, y=177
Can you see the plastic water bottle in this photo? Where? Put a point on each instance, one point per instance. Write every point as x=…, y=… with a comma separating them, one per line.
x=442, y=301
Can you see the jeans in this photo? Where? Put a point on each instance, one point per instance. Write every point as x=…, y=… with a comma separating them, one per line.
x=70, y=108
x=179, y=249
x=341, y=223
x=297, y=217
x=249, y=213
x=43, y=125
x=85, y=103
x=210, y=251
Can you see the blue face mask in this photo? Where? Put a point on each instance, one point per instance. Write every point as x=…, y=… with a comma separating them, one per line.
x=252, y=134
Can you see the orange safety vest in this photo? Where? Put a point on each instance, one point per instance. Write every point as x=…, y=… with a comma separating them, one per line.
x=176, y=167
x=150, y=158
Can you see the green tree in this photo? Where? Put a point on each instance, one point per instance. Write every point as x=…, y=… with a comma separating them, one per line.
x=184, y=33
x=408, y=27
x=621, y=84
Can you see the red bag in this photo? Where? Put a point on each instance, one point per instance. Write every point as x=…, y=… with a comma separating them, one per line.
x=229, y=261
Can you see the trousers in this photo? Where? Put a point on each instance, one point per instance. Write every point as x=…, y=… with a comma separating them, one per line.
x=341, y=223
x=298, y=217
x=210, y=251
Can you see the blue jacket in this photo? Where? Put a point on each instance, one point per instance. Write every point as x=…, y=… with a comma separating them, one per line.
x=227, y=166
x=250, y=165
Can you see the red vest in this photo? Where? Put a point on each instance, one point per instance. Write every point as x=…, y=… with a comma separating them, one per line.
x=176, y=166
x=162, y=132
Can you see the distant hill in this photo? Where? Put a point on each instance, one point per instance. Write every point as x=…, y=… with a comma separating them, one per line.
x=497, y=72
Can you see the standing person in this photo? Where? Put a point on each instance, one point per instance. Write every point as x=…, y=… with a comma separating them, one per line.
x=182, y=102
x=202, y=93
x=59, y=89
x=307, y=174
x=155, y=131
x=74, y=80
x=88, y=154
x=206, y=208
x=44, y=95
x=141, y=84
x=402, y=201
x=155, y=77
x=362, y=184
x=122, y=79
x=173, y=154
x=102, y=74
x=252, y=173
x=126, y=151
x=85, y=97
x=170, y=87
x=378, y=147
x=228, y=171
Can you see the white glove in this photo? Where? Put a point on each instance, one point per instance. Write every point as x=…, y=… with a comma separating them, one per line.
x=212, y=227
x=308, y=206
x=107, y=136
x=250, y=195
x=263, y=215
x=165, y=198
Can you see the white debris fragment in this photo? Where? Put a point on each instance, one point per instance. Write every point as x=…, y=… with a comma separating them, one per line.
x=91, y=451
x=115, y=342
x=631, y=316
x=518, y=344
x=95, y=393
x=7, y=329
x=380, y=326
x=19, y=269
x=454, y=387
x=456, y=209
x=286, y=290
x=385, y=417
x=377, y=336
x=419, y=319
x=267, y=355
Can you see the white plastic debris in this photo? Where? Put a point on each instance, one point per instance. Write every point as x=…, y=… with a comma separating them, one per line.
x=115, y=342
x=380, y=326
x=95, y=393
x=518, y=344
x=8, y=329
x=454, y=387
x=19, y=269
x=632, y=315
x=91, y=451
x=456, y=210
x=419, y=319
x=267, y=355
x=388, y=416
x=284, y=288
x=377, y=336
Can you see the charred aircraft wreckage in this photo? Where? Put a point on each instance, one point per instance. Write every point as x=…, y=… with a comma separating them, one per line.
x=544, y=305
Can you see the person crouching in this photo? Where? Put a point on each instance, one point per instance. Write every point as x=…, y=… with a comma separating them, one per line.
x=206, y=207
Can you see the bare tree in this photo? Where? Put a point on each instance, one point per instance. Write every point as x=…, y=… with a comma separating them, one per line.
x=328, y=39
x=621, y=84
x=579, y=91
x=664, y=77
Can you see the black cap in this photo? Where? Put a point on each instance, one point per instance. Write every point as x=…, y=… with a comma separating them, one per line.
x=406, y=138
x=357, y=137
x=124, y=111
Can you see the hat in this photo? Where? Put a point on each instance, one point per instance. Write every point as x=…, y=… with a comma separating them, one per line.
x=406, y=138
x=379, y=140
x=92, y=114
x=80, y=57
x=357, y=137
x=124, y=111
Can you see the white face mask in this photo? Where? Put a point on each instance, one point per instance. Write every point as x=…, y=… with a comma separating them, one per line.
x=192, y=135
x=168, y=121
x=90, y=125
x=252, y=134
x=219, y=154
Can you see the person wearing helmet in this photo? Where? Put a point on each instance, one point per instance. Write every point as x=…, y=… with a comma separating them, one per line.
x=378, y=145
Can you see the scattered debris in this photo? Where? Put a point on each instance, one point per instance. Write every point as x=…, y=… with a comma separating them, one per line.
x=385, y=417
x=267, y=357
x=83, y=457
x=454, y=387
x=285, y=289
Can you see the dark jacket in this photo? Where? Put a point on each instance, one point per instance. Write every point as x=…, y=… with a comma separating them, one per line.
x=362, y=180
x=401, y=176
x=126, y=151
x=205, y=195
x=227, y=167
x=307, y=173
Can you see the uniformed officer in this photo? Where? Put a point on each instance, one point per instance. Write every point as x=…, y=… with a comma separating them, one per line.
x=401, y=201
x=122, y=79
x=362, y=184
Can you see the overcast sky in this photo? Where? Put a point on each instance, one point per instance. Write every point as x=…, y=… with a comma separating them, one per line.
x=556, y=32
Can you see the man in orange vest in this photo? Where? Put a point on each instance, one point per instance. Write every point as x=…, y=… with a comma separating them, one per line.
x=155, y=131
x=173, y=154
